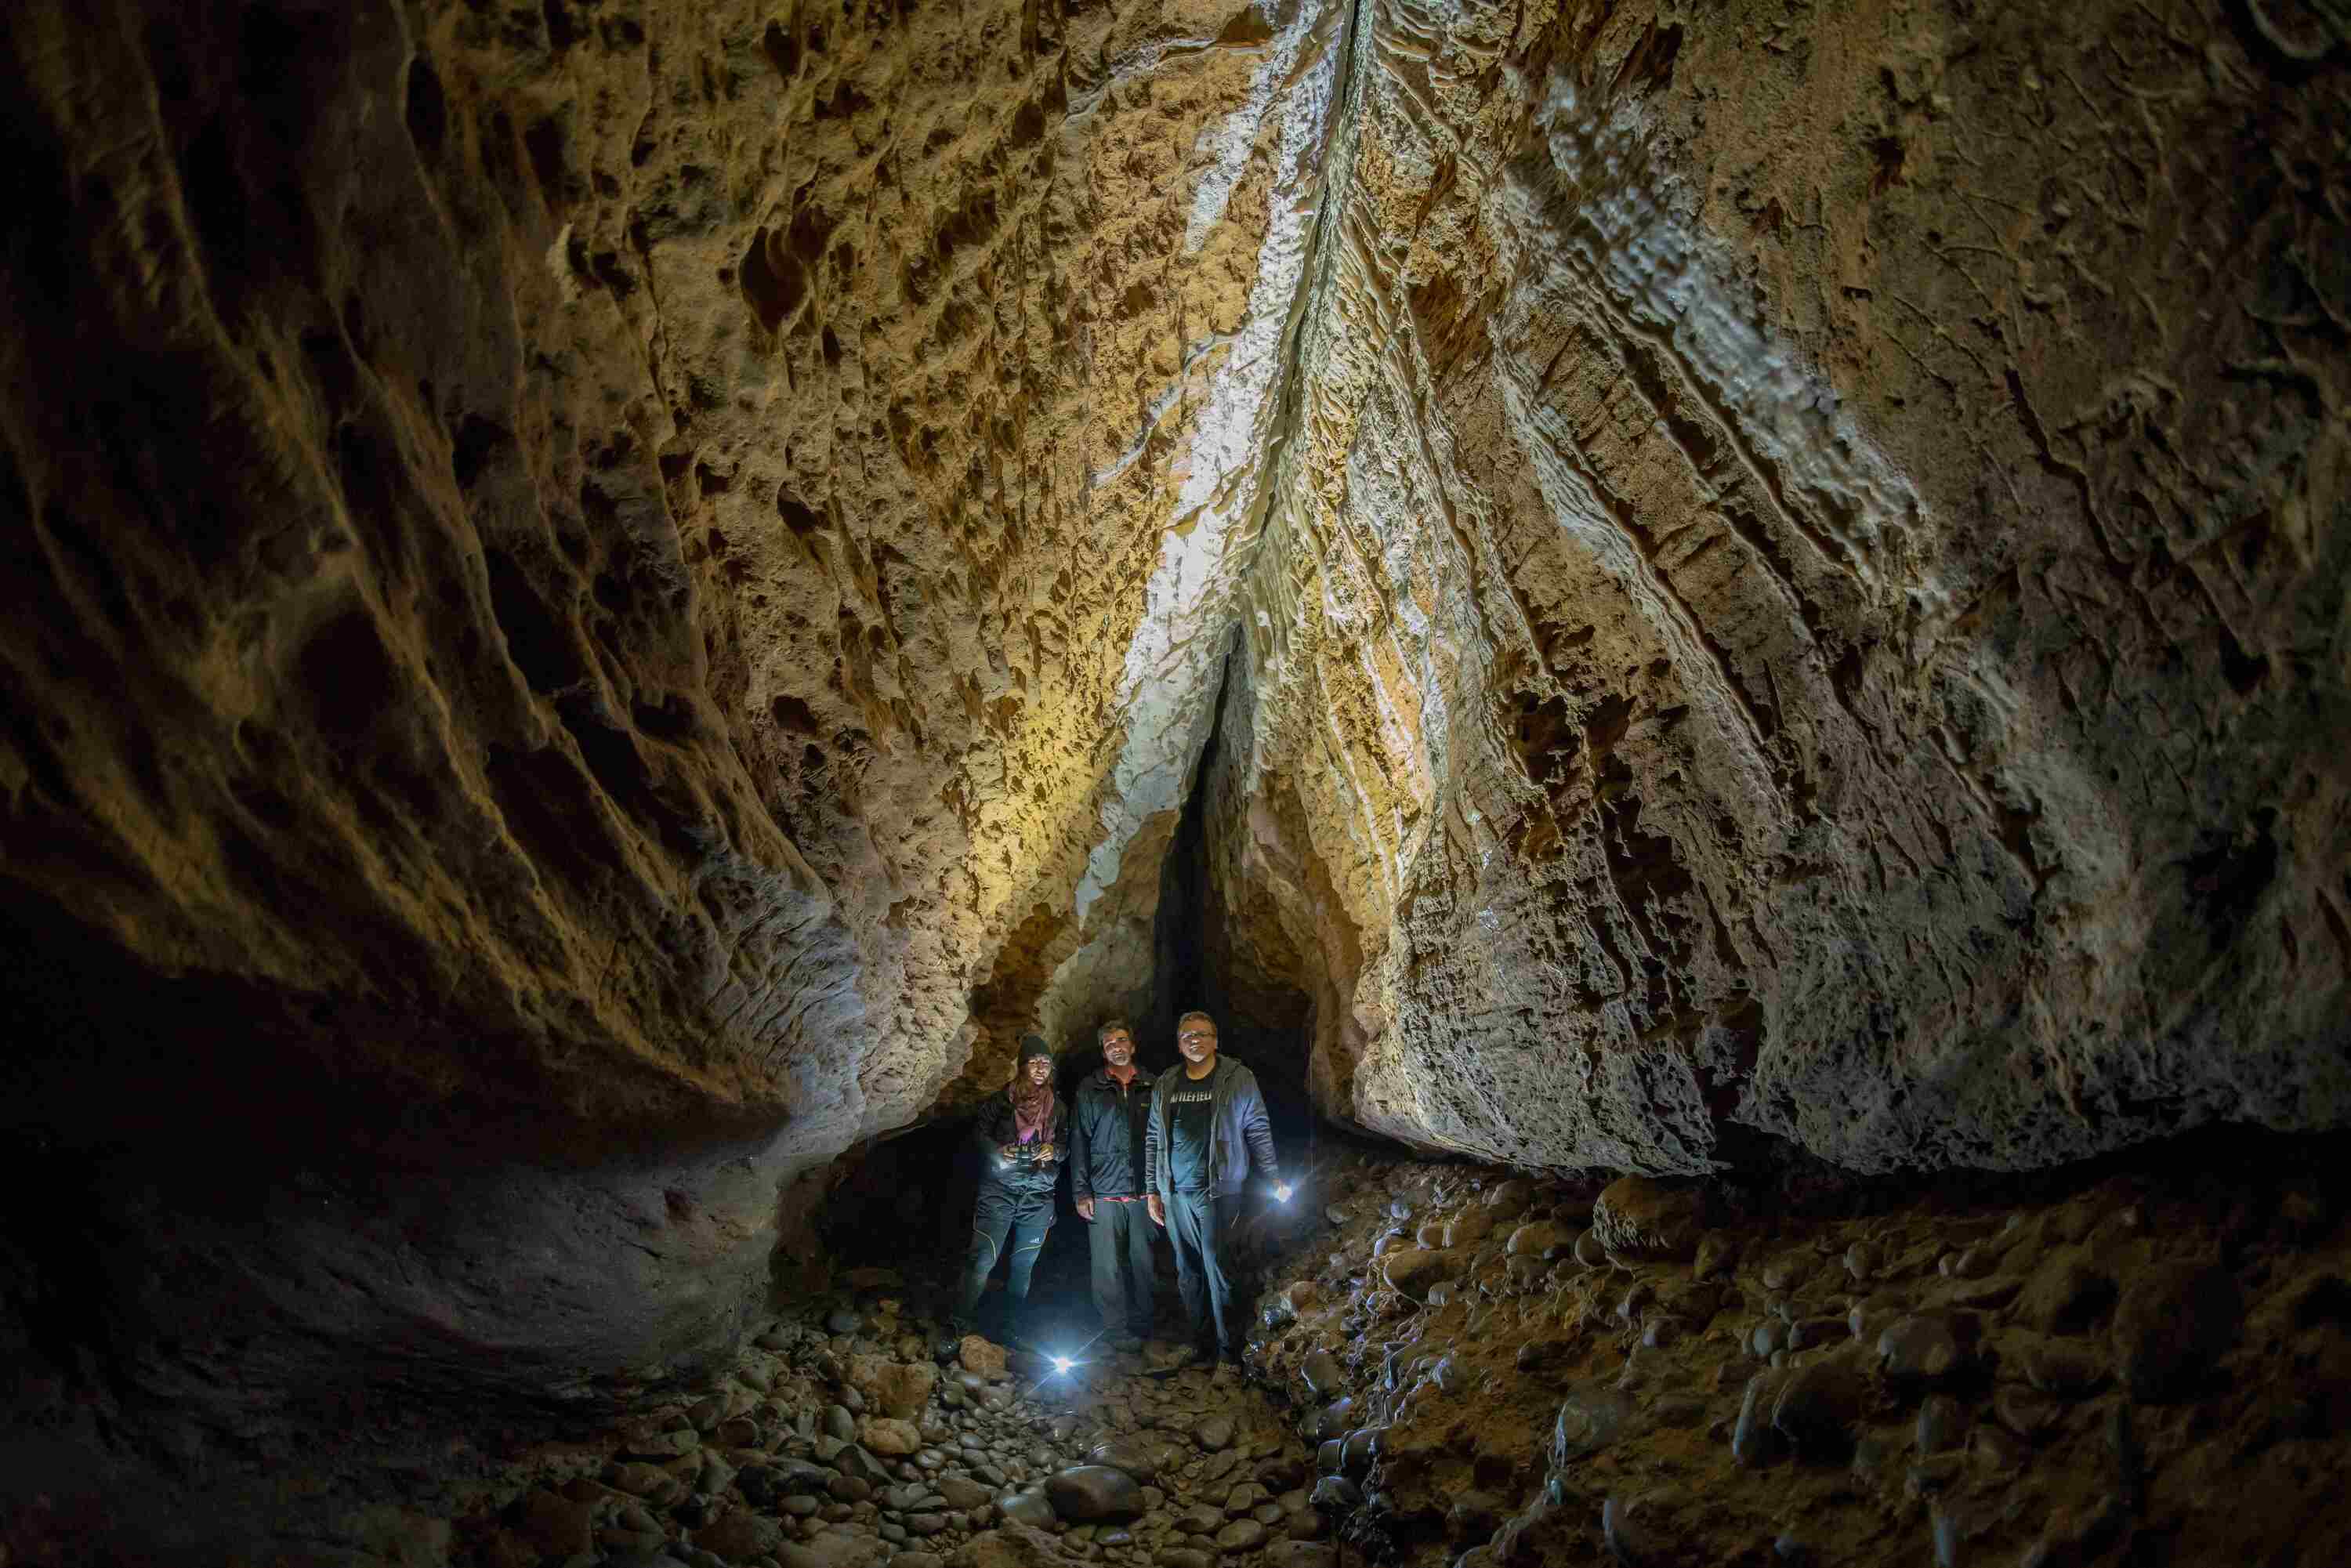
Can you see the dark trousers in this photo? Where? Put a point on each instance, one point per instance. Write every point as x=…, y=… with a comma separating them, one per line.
x=1199, y=1224
x=1120, y=1241
x=996, y=1214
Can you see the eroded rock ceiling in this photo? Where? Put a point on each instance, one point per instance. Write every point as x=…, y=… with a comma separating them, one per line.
x=642, y=584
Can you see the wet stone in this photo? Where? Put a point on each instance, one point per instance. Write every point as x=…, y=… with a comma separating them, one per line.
x=2172, y=1326
x=1538, y=1354
x=2065, y=1369
x=1934, y=1473
x=1943, y=1424
x=1241, y=1535
x=1028, y=1508
x=1818, y=1406
x=1811, y=1333
x=2064, y=1295
x=1995, y=1450
x=1630, y=1527
x=1922, y=1348
x=1592, y=1416
x=1336, y=1494
x=1643, y=1217
x=1323, y=1376
x=2023, y=1411
x=1755, y=1442
x=962, y=1495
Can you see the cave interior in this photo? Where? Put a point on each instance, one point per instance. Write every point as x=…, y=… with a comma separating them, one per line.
x=1717, y=631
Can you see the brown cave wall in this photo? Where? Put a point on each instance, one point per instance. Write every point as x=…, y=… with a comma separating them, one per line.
x=606, y=598
x=571, y=573
x=1807, y=599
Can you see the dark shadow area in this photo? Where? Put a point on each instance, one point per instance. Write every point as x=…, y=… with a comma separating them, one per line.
x=1192, y=971
x=228, y=1257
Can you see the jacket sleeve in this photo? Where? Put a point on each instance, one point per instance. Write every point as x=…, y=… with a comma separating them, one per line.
x=1151, y=1144
x=1081, y=1186
x=986, y=1131
x=1257, y=1128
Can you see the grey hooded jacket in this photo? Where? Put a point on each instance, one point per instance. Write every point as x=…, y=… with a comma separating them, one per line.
x=1240, y=1134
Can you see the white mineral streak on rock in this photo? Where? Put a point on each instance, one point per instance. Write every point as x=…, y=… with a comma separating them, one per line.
x=1610, y=224
x=1167, y=696
x=1230, y=140
x=1167, y=399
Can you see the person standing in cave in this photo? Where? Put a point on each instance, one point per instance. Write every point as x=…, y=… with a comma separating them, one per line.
x=1208, y=1127
x=1020, y=1137
x=1106, y=1181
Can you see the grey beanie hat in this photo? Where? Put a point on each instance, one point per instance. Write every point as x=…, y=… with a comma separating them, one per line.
x=1034, y=1045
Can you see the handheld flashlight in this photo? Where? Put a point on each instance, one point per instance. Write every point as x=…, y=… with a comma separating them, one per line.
x=1063, y=1363
x=1281, y=1192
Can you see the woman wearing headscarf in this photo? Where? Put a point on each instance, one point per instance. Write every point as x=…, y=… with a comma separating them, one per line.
x=1021, y=1147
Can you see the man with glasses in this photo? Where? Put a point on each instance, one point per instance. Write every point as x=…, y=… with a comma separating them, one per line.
x=1208, y=1127
x=1106, y=1181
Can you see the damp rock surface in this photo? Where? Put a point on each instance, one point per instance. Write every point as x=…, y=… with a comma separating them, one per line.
x=607, y=602
x=1950, y=1435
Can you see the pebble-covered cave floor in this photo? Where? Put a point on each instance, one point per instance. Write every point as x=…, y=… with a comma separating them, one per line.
x=2145, y=1363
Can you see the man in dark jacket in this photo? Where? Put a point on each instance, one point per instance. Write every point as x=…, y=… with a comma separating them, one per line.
x=1019, y=1134
x=1208, y=1127
x=1106, y=1180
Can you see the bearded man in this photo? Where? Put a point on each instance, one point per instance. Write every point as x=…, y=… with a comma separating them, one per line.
x=1106, y=1181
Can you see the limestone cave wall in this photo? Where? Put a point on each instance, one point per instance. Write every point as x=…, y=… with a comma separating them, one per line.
x=606, y=598
x=1805, y=601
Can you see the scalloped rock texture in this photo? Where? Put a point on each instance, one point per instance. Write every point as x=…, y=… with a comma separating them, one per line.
x=608, y=598
x=1806, y=602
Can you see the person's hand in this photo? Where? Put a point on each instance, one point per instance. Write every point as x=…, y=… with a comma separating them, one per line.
x=1281, y=1191
x=1044, y=1154
x=1086, y=1209
x=1158, y=1210
x=1008, y=1153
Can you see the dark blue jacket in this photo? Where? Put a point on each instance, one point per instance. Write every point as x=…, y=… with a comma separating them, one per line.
x=1106, y=1136
x=1239, y=1132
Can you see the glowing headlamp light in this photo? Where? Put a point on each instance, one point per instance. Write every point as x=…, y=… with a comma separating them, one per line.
x=1282, y=1192
x=1063, y=1363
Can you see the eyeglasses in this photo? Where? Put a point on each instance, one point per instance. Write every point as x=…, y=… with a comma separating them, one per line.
x=1197, y=1034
